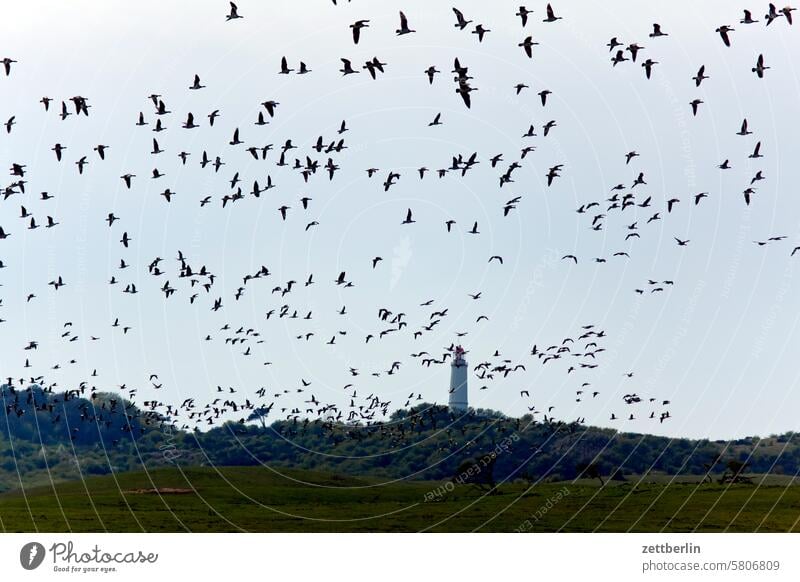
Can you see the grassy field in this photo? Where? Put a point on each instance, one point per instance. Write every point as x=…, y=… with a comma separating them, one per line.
x=260, y=500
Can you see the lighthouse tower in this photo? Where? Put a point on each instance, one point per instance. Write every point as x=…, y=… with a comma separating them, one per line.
x=458, y=382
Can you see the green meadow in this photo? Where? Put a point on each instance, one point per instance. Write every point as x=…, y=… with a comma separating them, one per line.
x=257, y=499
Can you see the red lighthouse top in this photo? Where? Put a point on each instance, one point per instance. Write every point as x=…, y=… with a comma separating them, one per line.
x=458, y=357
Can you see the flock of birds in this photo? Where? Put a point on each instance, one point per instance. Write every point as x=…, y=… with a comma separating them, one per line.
x=187, y=278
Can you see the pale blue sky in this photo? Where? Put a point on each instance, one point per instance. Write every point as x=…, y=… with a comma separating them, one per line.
x=720, y=344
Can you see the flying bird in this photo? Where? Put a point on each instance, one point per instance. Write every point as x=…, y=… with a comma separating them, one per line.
x=234, y=13
x=404, y=29
x=760, y=67
x=551, y=17
x=461, y=22
x=527, y=46
x=723, y=33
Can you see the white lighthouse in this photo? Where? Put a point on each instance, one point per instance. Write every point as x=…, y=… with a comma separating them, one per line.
x=458, y=382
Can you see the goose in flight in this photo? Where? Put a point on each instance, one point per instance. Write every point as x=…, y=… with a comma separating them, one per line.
x=756, y=151
x=347, y=67
x=101, y=150
x=234, y=13
x=58, y=148
x=743, y=130
x=553, y=173
x=634, y=49
x=528, y=45
x=7, y=65
x=700, y=76
x=748, y=18
x=190, y=124
x=356, y=27
x=629, y=156
x=464, y=90
x=543, y=96
x=270, y=106
x=523, y=14
x=285, y=70
x=81, y=163
x=760, y=67
x=772, y=14
x=431, y=72
x=723, y=33
x=481, y=32
x=648, y=66
x=461, y=22
x=404, y=29
x=551, y=17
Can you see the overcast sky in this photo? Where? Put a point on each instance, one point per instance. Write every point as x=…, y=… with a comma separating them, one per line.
x=720, y=344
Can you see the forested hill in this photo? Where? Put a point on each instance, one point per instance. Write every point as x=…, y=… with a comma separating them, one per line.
x=46, y=435
x=427, y=442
